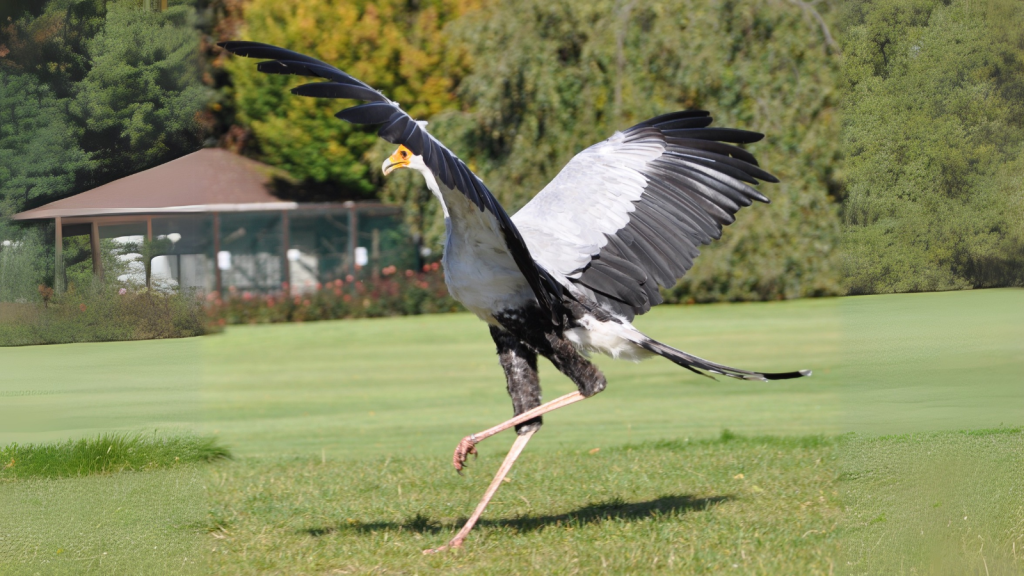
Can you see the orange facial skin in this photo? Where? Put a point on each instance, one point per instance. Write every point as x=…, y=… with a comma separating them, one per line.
x=400, y=159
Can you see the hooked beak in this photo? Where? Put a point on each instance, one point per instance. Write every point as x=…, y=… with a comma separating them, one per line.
x=396, y=160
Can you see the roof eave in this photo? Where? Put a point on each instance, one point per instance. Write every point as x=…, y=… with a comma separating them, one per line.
x=49, y=214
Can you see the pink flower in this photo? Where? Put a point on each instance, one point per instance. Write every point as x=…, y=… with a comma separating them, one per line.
x=122, y=291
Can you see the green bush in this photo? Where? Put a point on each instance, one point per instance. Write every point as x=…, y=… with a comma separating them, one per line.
x=103, y=313
x=20, y=268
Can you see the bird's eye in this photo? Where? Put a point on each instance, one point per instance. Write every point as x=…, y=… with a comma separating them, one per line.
x=404, y=154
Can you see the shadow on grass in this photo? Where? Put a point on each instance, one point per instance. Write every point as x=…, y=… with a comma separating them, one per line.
x=615, y=509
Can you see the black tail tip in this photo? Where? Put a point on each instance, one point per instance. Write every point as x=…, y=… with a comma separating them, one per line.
x=788, y=375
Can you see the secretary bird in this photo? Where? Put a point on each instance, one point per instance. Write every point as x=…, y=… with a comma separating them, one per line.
x=565, y=275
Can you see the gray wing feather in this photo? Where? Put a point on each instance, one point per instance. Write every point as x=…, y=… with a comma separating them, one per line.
x=627, y=215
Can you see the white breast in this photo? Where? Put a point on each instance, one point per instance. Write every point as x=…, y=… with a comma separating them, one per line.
x=478, y=268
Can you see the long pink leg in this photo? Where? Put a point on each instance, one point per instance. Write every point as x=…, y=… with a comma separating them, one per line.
x=517, y=449
x=467, y=445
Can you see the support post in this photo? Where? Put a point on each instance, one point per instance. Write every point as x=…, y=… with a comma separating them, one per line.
x=58, y=264
x=148, y=257
x=97, y=256
x=353, y=235
x=375, y=253
x=285, y=240
x=216, y=252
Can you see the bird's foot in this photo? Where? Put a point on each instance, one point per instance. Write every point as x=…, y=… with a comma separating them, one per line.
x=462, y=451
x=455, y=543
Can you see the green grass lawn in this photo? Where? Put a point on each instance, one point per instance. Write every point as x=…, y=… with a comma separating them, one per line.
x=405, y=385
x=343, y=431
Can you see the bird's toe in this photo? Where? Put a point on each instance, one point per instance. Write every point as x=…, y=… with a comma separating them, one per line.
x=466, y=447
x=452, y=545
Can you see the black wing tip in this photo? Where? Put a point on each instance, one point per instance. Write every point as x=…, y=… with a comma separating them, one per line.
x=731, y=135
x=238, y=46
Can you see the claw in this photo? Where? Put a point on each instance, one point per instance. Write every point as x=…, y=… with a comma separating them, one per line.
x=455, y=543
x=466, y=447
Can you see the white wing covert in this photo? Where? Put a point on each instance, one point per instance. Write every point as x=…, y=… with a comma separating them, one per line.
x=627, y=215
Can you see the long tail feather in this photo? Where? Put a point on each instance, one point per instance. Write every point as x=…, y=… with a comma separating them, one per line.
x=700, y=365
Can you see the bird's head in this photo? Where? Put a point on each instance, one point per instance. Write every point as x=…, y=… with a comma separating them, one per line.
x=403, y=158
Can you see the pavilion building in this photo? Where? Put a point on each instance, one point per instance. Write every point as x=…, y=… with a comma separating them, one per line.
x=226, y=228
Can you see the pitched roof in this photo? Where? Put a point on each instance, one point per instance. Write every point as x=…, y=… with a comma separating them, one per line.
x=210, y=180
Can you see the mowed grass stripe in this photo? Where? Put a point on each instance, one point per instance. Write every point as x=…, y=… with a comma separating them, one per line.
x=389, y=386
x=139, y=523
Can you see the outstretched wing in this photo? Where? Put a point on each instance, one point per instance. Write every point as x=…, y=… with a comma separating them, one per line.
x=399, y=128
x=626, y=215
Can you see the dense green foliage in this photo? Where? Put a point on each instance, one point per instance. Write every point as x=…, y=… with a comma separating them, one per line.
x=552, y=78
x=40, y=158
x=49, y=40
x=106, y=454
x=934, y=134
x=396, y=46
x=137, y=106
x=102, y=312
x=20, y=268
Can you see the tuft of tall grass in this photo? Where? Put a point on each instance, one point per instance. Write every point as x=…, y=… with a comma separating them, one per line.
x=106, y=454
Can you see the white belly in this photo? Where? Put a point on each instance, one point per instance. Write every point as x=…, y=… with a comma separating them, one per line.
x=478, y=268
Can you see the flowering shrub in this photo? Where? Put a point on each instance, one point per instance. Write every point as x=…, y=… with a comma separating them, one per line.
x=394, y=293
x=106, y=312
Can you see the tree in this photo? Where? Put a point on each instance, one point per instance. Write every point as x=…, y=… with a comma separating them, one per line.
x=51, y=44
x=934, y=132
x=138, y=105
x=394, y=45
x=552, y=77
x=39, y=155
